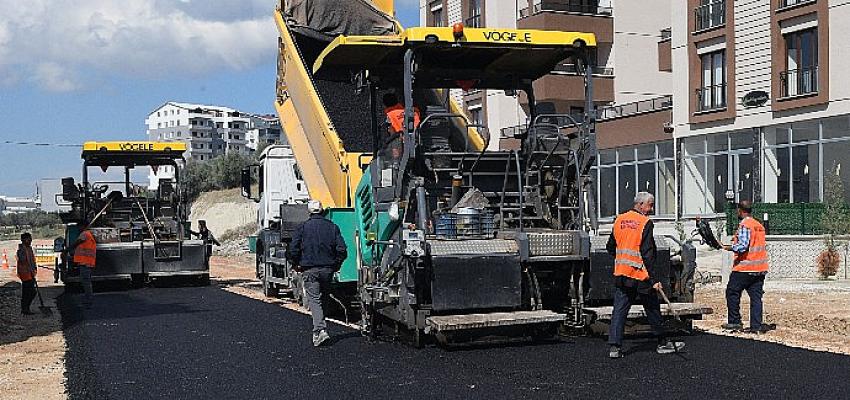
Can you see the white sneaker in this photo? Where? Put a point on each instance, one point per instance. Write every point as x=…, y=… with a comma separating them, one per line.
x=319, y=338
x=670, y=347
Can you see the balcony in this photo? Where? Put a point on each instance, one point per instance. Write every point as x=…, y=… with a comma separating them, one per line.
x=572, y=69
x=566, y=7
x=711, y=98
x=474, y=21
x=710, y=16
x=553, y=17
x=799, y=82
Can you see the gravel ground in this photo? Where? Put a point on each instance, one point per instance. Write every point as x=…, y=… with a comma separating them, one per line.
x=31, y=347
x=210, y=343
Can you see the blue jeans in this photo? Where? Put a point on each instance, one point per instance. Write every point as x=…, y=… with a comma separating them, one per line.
x=624, y=297
x=753, y=283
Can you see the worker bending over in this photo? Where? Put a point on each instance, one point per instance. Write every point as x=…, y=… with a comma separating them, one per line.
x=395, y=126
x=27, y=270
x=633, y=246
x=85, y=258
x=207, y=237
x=749, y=269
x=317, y=250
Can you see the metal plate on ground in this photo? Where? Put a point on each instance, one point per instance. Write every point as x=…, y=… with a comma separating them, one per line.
x=682, y=309
x=444, y=323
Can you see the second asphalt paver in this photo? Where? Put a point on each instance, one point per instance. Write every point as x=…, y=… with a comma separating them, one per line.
x=210, y=343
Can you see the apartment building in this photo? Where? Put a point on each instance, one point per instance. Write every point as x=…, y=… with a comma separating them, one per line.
x=208, y=131
x=264, y=130
x=761, y=110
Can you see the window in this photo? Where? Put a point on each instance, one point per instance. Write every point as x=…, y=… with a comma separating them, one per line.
x=713, y=166
x=791, y=3
x=437, y=14
x=475, y=117
x=710, y=14
x=801, y=63
x=474, y=20
x=712, y=94
x=625, y=171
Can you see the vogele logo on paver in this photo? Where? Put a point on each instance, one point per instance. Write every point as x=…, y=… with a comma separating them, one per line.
x=130, y=146
x=503, y=36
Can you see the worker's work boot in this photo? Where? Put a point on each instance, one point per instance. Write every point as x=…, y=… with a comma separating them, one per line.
x=670, y=347
x=319, y=338
x=615, y=352
x=732, y=327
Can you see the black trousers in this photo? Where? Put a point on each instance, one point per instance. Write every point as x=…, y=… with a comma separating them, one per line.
x=27, y=294
x=753, y=283
x=624, y=297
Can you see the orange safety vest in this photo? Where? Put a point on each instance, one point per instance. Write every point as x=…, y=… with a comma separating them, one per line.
x=395, y=116
x=628, y=232
x=755, y=258
x=26, y=267
x=86, y=252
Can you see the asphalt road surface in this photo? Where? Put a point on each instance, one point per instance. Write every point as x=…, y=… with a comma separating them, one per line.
x=208, y=343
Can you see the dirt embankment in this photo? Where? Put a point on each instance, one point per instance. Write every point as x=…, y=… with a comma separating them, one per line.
x=229, y=216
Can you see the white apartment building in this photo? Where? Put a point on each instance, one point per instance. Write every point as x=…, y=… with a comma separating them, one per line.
x=208, y=131
x=264, y=130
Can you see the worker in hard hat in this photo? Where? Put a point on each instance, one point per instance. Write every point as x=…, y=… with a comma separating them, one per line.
x=749, y=269
x=317, y=251
x=394, y=110
x=27, y=270
x=633, y=246
x=85, y=258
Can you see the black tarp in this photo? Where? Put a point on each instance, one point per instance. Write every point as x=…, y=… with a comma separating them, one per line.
x=327, y=19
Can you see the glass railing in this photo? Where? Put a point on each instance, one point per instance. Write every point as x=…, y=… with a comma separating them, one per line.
x=800, y=81
x=638, y=107
x=792, y=3
x=556, y=6
x=572, y=69
x=710, y=15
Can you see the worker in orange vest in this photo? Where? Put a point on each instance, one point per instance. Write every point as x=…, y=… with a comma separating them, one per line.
x=633, y=246
x=85, y=257
x=27, y=270
x=749, y=269
x=395, y=126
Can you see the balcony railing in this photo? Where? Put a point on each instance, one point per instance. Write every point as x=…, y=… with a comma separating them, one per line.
x=474, y=21
x=710, y=15
x=792, y=3
x=638, y=107
x=711, y=98
x=562, y=7
x=572, y=69
x=797, y=82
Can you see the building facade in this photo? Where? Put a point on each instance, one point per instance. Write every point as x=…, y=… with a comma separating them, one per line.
x=761, y=110
x=208, y=131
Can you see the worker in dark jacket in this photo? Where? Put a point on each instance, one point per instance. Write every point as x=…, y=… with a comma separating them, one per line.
x=207, y=237
x=633, y=246
x=318, y=251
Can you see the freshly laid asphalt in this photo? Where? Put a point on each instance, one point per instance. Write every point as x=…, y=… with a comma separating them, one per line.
x=207, y=343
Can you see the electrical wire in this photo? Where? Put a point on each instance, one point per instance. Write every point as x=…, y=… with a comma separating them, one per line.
x=40, y=144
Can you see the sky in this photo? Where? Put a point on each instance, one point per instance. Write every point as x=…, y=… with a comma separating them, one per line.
x=74, y=71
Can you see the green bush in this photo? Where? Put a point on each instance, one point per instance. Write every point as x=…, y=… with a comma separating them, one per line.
x=223, y=172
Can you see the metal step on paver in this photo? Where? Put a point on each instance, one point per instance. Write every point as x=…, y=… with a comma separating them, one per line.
x=444, y=323
x=682, y=309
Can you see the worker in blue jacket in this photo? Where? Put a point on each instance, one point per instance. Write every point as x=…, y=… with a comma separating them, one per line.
x=317, y=250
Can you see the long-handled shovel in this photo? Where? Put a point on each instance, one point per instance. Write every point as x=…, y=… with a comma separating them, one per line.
x=44, y=309
x=675, y=315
